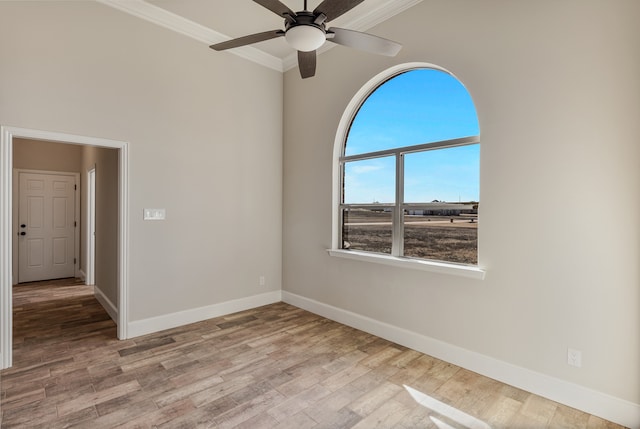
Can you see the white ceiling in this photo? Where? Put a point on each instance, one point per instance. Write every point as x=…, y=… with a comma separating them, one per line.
x=212, y=21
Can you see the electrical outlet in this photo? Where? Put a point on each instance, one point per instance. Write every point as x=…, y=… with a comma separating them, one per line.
x=574, y=358
x=262, y=281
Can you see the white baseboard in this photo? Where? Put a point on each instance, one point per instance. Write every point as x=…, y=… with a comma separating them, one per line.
x=593, y=402
x=168, y=321
x=82, y=276
x=111, y=309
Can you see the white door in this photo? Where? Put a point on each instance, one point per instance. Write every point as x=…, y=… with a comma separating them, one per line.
x=46, y=226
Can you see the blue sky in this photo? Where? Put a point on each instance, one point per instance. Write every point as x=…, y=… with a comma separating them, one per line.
x=416, y=107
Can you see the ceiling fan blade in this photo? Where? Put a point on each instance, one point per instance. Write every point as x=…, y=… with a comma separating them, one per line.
x=247, y=40
x=307, y=63
x=363, y=41
x=276, y=7
x=334, y=8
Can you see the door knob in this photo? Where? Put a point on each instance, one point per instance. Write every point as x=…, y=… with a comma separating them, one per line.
x=23, y=233
x=23, y=226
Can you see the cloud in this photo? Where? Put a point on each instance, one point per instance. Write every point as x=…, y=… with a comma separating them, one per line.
x=362, y=169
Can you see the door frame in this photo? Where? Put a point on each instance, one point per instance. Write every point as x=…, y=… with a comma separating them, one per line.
x=15, y=214
x=7, y=134
x=91, y=226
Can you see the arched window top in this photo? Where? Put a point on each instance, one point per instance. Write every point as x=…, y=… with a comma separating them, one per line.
x=414, y=107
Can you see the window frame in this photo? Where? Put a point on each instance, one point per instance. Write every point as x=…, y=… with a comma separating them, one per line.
x=398, y=206
x=396, y=257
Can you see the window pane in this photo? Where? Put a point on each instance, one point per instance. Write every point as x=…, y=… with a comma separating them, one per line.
x=442, y=238
x=443, y=175
x=367, y=229
x=415, y=107
x=370, y=181
x=446, y=184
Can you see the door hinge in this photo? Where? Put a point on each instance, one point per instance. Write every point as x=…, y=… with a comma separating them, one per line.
x=75, y=187
x=74, y=261
x=75, y=223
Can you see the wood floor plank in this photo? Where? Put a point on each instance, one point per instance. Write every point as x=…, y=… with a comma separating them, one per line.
x=299, y=402
x=537, y=411
x=91, y=399
x=29, y=415
x=375, y=398
x=343, y=418
x=259, y=421
x=248, y=409
x=345, y=377
x=217, y=392
x=159, y=416
x=376, y=359
x=297, y=421
x=385, y=416
x=502, y=412
x=334, y=402
x=304, y=381
x=418, y=417
x=75, y=419
x=275, y=366
x=23, y=399
x=566, y=417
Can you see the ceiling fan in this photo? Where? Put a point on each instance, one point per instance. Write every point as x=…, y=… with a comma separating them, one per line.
x=306, y=31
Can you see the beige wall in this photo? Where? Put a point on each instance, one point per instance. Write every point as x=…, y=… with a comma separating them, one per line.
x=557, y=92
x=205, y=142
x=49, y=156
x=105, y=162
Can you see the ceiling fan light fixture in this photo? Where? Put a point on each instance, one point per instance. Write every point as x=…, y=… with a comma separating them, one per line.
x=305, y=38
x=306, y=31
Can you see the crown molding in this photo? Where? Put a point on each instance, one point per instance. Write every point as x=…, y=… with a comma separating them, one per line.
x=179, y=24
x=361, y=23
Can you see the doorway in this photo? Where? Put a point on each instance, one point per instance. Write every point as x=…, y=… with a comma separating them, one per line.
x=7, y=135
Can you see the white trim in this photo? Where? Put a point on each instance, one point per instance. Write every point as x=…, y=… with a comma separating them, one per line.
x=106, y=303
x=360, y=23
x=591, y=401
x=416, y=264
x=90, y=227
x=6, y=255
x=380, y=14
x=181, y=318
x=82, y=275
x=6, y=248
x=179, y=24
x=123, y=241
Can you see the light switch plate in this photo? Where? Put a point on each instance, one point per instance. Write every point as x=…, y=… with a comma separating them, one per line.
x=154, y=214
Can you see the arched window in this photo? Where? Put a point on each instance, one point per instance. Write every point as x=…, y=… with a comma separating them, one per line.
x=409, y=169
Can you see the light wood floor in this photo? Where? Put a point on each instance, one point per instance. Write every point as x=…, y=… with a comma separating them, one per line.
x=272, y=367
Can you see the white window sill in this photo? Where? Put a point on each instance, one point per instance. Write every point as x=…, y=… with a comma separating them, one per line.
x=416, y=264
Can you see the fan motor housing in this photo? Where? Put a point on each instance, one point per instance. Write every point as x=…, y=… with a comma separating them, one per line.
x=303, y=32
